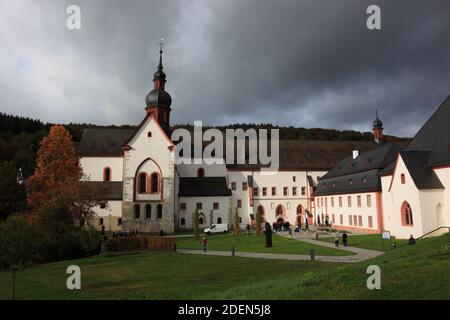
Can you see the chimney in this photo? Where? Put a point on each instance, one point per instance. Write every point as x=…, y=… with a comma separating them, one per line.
x=355, y=154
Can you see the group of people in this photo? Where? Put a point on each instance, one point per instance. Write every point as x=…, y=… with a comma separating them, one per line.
x=125, y=234
x=344, y=239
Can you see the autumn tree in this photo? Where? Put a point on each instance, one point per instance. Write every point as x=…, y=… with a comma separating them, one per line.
x=57, y=174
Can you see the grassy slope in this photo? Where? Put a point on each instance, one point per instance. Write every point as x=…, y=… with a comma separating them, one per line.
x=369, y=241
x=252, y=243
x=149, y=276
x=412, y=272
x=419, y=271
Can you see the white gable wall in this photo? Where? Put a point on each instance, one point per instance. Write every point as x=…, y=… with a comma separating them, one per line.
x=93, y=167
x=156, y=149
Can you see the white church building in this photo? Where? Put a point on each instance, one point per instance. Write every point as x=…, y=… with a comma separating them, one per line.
x=145, y=190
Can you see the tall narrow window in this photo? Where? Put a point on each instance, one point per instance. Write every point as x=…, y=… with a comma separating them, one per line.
x=142, y=183
x=159, y=209
x=407, y=218
x=244, y=186
x=137, y=211
x=200, y=172
x=107, y=174
x=154, y=182
x=369, y=200
x=358, y=201
x=148, y=211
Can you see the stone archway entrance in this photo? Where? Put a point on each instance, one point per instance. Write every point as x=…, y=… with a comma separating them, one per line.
x=280, y=214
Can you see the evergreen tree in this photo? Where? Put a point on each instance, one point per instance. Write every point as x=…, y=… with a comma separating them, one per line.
x=18, y=243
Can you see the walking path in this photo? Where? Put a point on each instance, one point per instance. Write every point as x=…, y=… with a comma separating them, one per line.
x=361, y=254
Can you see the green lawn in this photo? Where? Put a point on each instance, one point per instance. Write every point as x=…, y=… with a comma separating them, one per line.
x=411, y=272
x=150, y=276
x=252, y=243
x=370, y=241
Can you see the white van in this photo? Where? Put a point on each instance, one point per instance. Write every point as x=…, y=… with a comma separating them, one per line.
x=216, y=228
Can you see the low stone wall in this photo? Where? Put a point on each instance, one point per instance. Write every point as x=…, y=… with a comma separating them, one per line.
x=139, y=243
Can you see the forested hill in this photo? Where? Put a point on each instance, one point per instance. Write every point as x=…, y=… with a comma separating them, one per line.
x=14, y=125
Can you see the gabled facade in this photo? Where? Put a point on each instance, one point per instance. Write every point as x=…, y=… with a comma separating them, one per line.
x=416, y=187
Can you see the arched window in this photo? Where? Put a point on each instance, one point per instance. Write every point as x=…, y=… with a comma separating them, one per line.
x=219, y=220
x=148, y=211
x=201, y=220
x=154, y=178
x=137, y=211
x=183, y=221
x=407, y=218
x=200, y=172
x=402, y=178
x=142, y=187
x=299, y=209
x=100, y=221
x=159, y=209
x=107, y=174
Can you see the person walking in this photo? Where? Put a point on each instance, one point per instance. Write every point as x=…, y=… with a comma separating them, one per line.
x=336, y=239
x=344, y=239
x=205, y=244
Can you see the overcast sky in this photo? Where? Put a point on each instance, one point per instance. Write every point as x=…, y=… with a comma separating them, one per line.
x=290, y=62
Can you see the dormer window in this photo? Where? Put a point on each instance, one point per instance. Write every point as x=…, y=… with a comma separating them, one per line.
x=364, y=180
x=350, y=182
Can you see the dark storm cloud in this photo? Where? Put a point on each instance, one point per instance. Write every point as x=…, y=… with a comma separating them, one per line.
x=302, y=63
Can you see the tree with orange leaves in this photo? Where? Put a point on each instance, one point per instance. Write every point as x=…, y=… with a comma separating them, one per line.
x=58, y=172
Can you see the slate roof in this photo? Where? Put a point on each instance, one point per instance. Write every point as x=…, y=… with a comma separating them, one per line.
x=434, y=136
x=312, y=154
x=103, y=142
x=108, y=190
x=378, y=158
x=204, y=187
x=360, y=174
x=423, y=176
x=294, y=154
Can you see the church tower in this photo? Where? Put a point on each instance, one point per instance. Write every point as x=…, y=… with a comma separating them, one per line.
x=158, y=101
x=378, y=130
